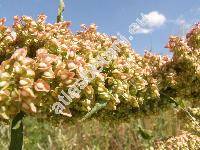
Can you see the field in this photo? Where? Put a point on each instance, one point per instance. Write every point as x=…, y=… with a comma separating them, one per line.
x=136, y=134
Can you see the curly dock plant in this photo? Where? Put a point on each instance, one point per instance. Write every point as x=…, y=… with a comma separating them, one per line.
x=38, y=60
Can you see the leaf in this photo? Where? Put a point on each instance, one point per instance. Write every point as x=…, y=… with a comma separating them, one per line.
x=181, y=103
x=96, y=108
x=146, y=134
x=170, y=99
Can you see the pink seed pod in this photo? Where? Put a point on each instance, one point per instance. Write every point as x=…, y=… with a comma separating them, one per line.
x=41, y=86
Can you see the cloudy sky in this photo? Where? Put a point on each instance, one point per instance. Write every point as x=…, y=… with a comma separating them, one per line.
x=155, y=20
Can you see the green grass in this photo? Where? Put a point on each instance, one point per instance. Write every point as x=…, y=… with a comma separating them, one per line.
x=136, y=134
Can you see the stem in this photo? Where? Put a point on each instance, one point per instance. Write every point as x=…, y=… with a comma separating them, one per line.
x=96, y=108
x=178, y=105
x=60, y=11
x=16, y=142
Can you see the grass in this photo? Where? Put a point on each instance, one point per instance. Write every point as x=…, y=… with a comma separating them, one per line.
x=136, y=134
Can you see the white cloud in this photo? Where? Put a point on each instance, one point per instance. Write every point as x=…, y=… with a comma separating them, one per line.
x=182, y=24
x=149, y=22
x=141, y=30
x=154, y=19
x=179, y=21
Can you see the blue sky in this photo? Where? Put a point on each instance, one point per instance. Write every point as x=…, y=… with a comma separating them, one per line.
x=112, y=16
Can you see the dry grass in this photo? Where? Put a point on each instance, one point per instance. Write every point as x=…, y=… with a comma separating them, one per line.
x=136, y=134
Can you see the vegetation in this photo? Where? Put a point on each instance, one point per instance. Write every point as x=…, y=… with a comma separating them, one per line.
x=38, y=60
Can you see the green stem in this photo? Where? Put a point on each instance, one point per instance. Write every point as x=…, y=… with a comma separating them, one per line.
x=16, y=142
x=95, y=109
x=60, y=11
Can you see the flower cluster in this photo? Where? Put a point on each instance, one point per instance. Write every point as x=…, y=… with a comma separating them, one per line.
x=39, y=61
x=183, y=141
x=185, y=66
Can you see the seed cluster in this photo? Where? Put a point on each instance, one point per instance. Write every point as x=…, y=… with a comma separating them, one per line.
x=184, y=141
x=39, y=60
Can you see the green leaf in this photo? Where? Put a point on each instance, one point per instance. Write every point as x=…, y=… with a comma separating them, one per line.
x=181, y=103
x=96, y=108
x=146, y=134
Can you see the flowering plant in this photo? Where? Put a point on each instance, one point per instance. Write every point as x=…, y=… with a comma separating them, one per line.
x=39, y=60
